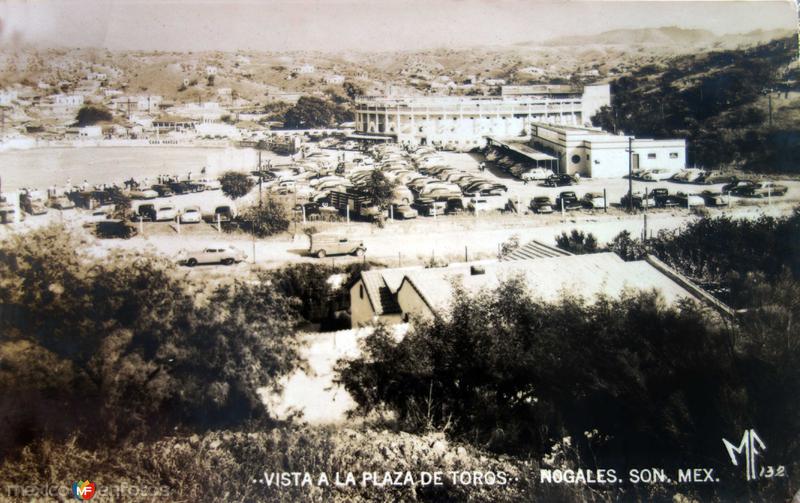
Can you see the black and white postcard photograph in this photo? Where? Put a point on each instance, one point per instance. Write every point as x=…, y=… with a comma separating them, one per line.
x=433, y=251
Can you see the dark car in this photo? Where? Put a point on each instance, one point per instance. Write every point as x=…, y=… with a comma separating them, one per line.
x=181, y=187
x=664, y=199
x=311, y=208
x=455, y=206
x=715, y=198
x=560, y=180
x=542, y=204
x=568, y=201
x=145, y=212
x=163, y=190
x=736, y=184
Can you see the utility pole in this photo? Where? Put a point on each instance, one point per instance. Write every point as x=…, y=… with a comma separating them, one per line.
x=630, y=174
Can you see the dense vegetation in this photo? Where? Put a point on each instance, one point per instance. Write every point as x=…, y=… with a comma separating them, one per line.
x=128, y=347
x=235, y=184
x=624, y=378
x=310, y=112
x=726, y=256
x=716, y=101
x=89, y=115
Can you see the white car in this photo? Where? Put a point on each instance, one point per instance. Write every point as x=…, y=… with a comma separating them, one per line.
x=165, y=213
x=143, y=194
x=477, y=205
x=191, y=215
x=537, y=174
x=214, y=254
x=657, y=174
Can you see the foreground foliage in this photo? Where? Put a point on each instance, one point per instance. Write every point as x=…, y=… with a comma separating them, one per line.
x=126, y=348
x=625, y=379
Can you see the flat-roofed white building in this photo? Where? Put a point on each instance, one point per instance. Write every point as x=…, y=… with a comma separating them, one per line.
x=464, y=122
x=595, y=153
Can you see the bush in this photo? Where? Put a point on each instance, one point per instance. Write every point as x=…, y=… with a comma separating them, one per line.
x=577, y=242
x=235, y=184
x=127, y=334
x=266, y=219
x=509, y=372
x=92, y=114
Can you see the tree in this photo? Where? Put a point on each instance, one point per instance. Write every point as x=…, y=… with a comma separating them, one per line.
x=577, y=242
x=310, y=112
x=92, y=114
x=127, y=333
x=352, y=90
x=265, y=219
x=235, y=184
x=379, y=189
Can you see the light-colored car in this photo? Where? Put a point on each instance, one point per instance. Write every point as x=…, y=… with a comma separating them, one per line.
x=657, y=174
x=214, y=254
x=143, y=194
x=322, y=245
x=537, y=174
x=478, y=205
x=594, y=200
x=404, y=212
x=165, y=213
x=191, y=215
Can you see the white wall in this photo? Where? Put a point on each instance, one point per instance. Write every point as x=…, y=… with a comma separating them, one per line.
x=360, y=309
x=411, y=304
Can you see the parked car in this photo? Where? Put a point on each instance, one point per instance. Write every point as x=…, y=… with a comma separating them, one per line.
x=542, y=204
x=478, y=205
x=163, y=190
x=145, y=212
x=568, y=201
x=166, y=213
x=715, y=198
x=32, y=204
x=322, y=245
x=656, y=174
x=663, y=199
x=762, y=189
x=560, y=180
x=689, y=200
x=215, y=254
x=736, y=184
x=454, y=206
x=404, y=212
x=690, y=175
x=537, y=174
x=61, y=203
x=639, y=200
x=191, y=215
x=143, y=194
x=594, y=200
x=430, y=207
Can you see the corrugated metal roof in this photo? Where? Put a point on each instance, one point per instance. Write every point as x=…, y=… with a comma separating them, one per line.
x=535, y=249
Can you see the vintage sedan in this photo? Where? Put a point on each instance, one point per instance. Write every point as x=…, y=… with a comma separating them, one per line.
x=214, y=254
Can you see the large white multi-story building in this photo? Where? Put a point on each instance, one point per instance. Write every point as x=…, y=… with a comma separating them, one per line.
x=464, y=122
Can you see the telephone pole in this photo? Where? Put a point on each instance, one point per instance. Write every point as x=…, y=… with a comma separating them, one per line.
x=630, y=174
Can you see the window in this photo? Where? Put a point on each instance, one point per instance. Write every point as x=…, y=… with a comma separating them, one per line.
x=651, y=156
x=576, y=159
x=673, y=155
x=360, y=291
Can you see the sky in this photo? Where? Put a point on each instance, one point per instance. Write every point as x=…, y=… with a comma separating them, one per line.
x=368, y=25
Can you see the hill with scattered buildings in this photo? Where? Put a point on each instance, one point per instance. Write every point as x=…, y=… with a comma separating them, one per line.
x=738, y=108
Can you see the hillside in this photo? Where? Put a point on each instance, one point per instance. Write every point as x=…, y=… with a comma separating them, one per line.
x=720, y=102
x=670, y=36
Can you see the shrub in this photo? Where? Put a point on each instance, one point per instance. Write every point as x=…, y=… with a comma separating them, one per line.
x=266, y=219
x=235, y=184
